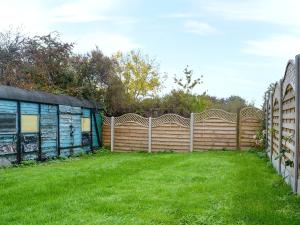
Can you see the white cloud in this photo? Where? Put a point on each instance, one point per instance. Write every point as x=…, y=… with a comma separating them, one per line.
x=36, y=18
x=285, y=14
x=184, y=15
x=200, y=28
x=108, y=43
x=280, y=46
x=83, y=11
x=30, y=15
x=272, y=11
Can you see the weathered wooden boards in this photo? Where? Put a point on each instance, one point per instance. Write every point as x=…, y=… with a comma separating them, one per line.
x=170, y=136
x=250, y=122
x=211, y=129
x=215, y=133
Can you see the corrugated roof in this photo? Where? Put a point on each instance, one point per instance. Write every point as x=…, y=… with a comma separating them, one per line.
x=13, y=93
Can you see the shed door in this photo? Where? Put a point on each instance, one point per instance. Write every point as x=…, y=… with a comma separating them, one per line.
x=70, y=129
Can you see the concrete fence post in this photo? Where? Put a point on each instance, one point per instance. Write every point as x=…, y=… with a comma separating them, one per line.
x=280, y=124
x=192, y=122
x=112, y=133
x=150, y=134
x=297, y=111
x=271, y=126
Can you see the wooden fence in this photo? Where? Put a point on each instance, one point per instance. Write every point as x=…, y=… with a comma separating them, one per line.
x=211, y=129
x=281, y=112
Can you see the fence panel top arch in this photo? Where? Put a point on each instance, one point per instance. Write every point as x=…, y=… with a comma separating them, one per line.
x=131, y=117
x=171, y=118
x=289, y=76
x=216, y=114
x=276, y=94
x=251, y=113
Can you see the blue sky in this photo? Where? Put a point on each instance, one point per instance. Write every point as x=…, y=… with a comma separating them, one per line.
x=238, y=46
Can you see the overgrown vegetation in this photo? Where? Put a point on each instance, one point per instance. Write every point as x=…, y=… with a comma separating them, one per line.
x=230, y=187
x=123, y=82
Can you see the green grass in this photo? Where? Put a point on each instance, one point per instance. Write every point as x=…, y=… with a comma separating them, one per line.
x=211, y=188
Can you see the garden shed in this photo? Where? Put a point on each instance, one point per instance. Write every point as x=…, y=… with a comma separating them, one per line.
x=37, y=125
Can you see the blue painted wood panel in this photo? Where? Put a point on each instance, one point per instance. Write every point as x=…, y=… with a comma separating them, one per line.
x=76, y=122
x=8, y=147
x=86, y=113
x=29, y=108
x=8, y=106
x=49, y=131
x=70, y=129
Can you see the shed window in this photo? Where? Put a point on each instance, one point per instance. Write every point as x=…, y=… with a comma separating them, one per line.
x=29, y=124
x=85, y=124
x=8, y=123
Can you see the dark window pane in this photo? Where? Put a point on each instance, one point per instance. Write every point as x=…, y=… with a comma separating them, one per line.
x=7, y=123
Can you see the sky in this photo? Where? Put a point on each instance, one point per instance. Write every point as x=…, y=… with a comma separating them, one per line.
x=239, y=47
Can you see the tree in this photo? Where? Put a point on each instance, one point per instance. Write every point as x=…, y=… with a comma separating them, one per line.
x=94, y=73
x=139, y=74
x=12, y=45
x=47, y=60
x=188, y=84
x=115, y=97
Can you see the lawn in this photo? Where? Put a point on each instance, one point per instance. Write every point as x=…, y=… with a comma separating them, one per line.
x=212, y=188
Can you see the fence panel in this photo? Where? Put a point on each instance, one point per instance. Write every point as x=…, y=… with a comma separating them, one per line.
x=288, y=121
x=131, y=133
x=275, y=148
x=170, y=132
x=215, y=129
x=106, y=131
x=250, y=123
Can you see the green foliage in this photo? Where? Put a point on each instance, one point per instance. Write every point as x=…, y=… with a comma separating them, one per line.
x=188, y=84
x=284, y=150
x=139, y=74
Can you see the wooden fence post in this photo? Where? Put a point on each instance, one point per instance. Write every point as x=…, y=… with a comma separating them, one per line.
x=192, y=122
x=112, y=133
x=297, y=111
x=238, y=133
x=280, y=124
x=150, y=134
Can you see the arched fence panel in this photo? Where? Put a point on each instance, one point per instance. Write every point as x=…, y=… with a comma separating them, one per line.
x=170, y=132
x=288, y=129
x=131, y=133
x=215, y=129
x=250, y=122
x=275, y=148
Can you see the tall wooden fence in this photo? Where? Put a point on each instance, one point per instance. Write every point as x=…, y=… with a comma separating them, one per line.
x=211, y=129
x=281, y=112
